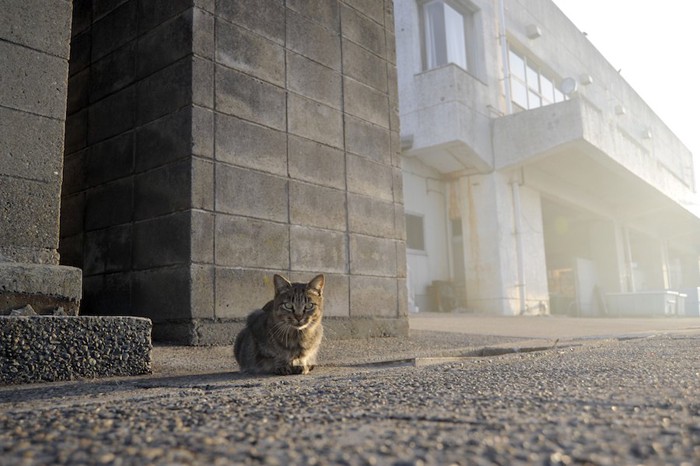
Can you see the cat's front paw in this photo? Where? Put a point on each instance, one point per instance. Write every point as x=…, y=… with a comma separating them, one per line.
x=290, y=370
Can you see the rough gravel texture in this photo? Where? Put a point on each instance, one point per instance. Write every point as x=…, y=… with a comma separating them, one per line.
x=48, y=348
x=603, y=403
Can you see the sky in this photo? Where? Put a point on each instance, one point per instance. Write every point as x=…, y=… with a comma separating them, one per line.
x=654, y=45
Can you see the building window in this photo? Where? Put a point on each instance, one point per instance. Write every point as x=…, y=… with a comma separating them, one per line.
x=530, y=86
x=415, y=237
x=449, y=34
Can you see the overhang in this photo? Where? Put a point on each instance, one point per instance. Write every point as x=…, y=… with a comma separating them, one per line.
x=572, y=152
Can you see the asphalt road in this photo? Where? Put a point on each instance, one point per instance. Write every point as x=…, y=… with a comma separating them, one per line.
x=633, y=401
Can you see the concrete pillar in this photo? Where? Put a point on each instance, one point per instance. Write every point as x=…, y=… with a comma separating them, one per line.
x=213, y=144
x=493, y=277
x=607, y=252
x=34, y=46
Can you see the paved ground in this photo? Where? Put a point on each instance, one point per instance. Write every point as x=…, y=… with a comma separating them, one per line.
x=630, y=400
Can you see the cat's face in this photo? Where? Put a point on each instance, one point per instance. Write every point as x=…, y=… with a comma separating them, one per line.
x=298, y=305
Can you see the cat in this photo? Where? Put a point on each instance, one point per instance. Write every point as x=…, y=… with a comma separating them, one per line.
x=284, y=336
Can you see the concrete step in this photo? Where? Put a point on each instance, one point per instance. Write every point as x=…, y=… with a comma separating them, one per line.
x=54, y=348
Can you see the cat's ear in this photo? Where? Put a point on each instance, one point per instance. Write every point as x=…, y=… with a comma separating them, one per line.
x=317, y=284
x=281, y=284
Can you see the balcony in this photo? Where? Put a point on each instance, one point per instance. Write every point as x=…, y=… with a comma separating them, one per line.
x=446, y=115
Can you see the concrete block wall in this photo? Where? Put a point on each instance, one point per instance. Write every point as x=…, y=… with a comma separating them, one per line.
x=210, y=146
x=34, y=46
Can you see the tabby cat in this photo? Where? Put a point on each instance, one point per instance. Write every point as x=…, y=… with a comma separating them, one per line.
x=284, y=336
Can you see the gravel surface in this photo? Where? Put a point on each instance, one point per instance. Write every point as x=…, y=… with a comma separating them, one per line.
x=52, y=348
x=623, y=402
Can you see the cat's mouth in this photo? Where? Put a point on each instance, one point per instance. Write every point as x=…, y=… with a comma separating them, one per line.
x=300, y=325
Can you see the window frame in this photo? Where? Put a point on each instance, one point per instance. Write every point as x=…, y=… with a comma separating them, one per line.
x=471, y=32
x=531, y=70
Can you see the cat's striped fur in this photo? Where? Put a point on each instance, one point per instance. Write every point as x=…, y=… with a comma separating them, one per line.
x=284, y=336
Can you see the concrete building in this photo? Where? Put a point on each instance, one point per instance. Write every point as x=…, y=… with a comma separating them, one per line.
x=535, y=179
x=208, y=144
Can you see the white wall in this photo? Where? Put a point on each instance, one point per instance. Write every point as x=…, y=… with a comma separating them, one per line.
x=425, y=195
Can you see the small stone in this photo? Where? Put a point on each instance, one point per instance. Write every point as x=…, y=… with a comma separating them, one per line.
x=59, y=311
x=25, y=311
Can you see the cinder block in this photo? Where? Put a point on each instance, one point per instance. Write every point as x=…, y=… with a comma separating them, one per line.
x=33, y=81
x=203, y=82
x=165, y=44
x=202, y=278
x=73, y=173
x=29, y=211
x=402, y=293
x=71, y=250
x=72, y=214
x=31, y=146
x=162, y=294
x=324, y=12
x=313, y=80
x=312, y=40
x=112, y=115
x=163, y=190
x=363, y=31
x=110, y=159
x=315, y=121
x=164, y=140
x=372, y=256
x=371, y=8
x=203, y=34
x=162, y=241
x=250, y=53
x=113, y=30
x=202, y=184
x=241, y=291
x=373, y=296
x=202, y=236
x=316, y=163
x=78, y=91
x=400, y=222
x=370, y=216
x=369, y=178
x=79, y=53
x=318, y=250
x=76, y=132
x=154, y=12
x=365, y=102
x=395, y=139
x=398, y=185
x=364, y=66
x=38, y=24
x=249, y=145
x=109, y=204
x=112, y=72
x=401, y=266
x=165, y=91
x=245, y=242
x=317, y=206
x=336, y=293
x=266, y=17
x=202, y=132
x=249, y=98
x=368, y=140
x=249, y=193
x=107, y=295
x=82, y=16
x=107, y=250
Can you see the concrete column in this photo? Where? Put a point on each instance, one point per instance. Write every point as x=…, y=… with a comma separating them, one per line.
x=492, y=273
x=607, y=252
x=34, y=46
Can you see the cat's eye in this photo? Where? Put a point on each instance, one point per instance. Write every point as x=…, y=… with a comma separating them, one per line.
x=309, y=306
x=288, y=306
